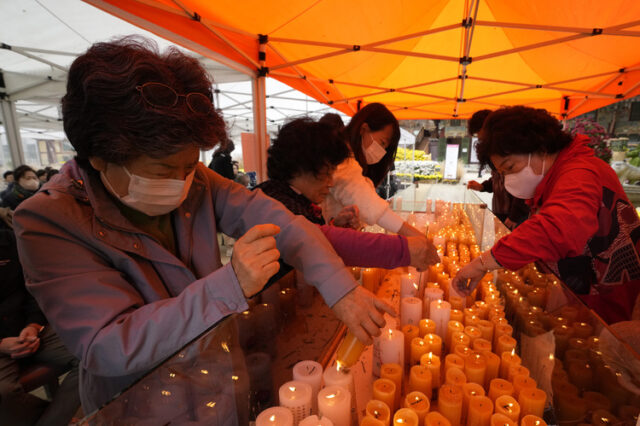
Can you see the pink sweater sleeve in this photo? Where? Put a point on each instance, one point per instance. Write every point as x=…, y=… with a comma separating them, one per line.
x=367, y=249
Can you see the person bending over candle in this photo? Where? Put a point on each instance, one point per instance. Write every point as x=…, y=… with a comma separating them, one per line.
x=584, y=229
x=300, y=165
x=120, y=249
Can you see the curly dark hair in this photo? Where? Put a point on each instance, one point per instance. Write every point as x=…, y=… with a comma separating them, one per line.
x=377, y=116
x=520, y=130
x=22, y=170
x=304, y=146
x=105, y=116
x=477, y=119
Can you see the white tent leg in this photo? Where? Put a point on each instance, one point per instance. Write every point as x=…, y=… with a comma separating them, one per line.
x=260, y=124
x=10, y=122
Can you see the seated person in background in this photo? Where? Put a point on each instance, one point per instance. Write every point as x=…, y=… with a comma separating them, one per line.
x=300, y=164
x=24, y=340
x=25, y=185
x=119, y=248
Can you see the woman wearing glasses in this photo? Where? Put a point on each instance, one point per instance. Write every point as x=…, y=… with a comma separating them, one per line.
x=120, y=248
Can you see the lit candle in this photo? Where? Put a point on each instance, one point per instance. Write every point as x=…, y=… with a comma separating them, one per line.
x=296, y=396
x=433, y=343
x=315, y=421
x=473, y=333
x=508, y=406
x=582, y=330
x=405, y=417
x=420, y=380
x=393, y=372
x=502, y=420
x=440, y=312
x=460, y=338
x=475, y=368
x=456, y=315
x=481, y=345
x=309, y=372
x=516, y=370
x=410, y=332
x=450, y=403
x=499, y=387
x=462, y=351
x=379, y=411
x=355, y=271
x=501, y=330
x=410, y=311
x=581, y=374
x=470, y=390
x=493, y=367
x=434, y=418
x=418, y=403
x=385, y=390
x=339, y=377
x=418, y=348
x=334, y=402
x=432, y=362
x=452, y=327
x=531, y=420
x=275, y=416
x=480, y=411
x=505, y=344
x=434, y=270
x=388, y=349
x=426, y=326
x=521, y=382
x=349, y=351
x=455, y=377
x=453, y=360
x=457, y=302
x=532, y=401
x=507, y=359
x=370, y=421
x=486, y=329
x=370, y=279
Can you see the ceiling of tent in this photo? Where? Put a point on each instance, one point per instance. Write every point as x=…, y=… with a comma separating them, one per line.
x=423, y=59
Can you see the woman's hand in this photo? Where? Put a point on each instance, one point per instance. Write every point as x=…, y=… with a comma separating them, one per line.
x=476, y=186
x=423, y=252
x=255, y=258
x=349, y=217
x=362, y=313
x=410, y=231
x=27, y=343
x=467, y=278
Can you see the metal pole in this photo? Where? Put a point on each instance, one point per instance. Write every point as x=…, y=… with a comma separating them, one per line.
x=10, y=121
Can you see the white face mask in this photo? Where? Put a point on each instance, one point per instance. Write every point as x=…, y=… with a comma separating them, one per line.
x=524, y=183
x=31, y=185
x=153, y=197
x=374, y=152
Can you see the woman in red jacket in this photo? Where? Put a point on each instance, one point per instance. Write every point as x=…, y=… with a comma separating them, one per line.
x=583, y=227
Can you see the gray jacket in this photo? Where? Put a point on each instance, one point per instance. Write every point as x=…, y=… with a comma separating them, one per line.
x=119, y=300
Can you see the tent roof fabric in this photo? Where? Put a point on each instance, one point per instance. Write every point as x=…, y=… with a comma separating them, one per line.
x=434, y=59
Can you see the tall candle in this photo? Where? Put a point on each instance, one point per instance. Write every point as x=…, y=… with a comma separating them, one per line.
x=455, y=377
x=296, y=396
x=502, y=420
x=349, y=351
x=470, y=390
x=475, y=368
x=493, y=367
x=434, y=418
x=309, y=372
x=418, y=403
x=418, y=348
x=499, y=387
x=426, y=326
x=507, y=359
x=434, y=343
x=333, y=376
x=388, y=348
x=275, y=416
x=532, y=401
x=531, y=420
x=508, y=406
x=405, y=416
x=379, y=411
x=431, y=294
x=432, y=362
x=420, y=380
x=521, y=382
x=450, y=403
x=410, y=311
x=480, y=411
x=393, y=372
x=385, y=390
x=334, y=402
x=369, y=279
x=440, y=311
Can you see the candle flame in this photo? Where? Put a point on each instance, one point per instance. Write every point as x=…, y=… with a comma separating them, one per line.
x=421, y=342
x=292, y=388
x=400, y=421
x=172, y=375
x=245, y=312
x=538, y=422
x=165, y=393
x=204, y=371
x=225, y=347
x=513, y=351
x=211, y=404
x=338, y=365
x=331, y=395
x=234, y=378
x=415, y=286
x=390, y=333
x=272, y=418
x=430, y=357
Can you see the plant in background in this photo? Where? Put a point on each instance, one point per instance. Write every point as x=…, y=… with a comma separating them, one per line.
x=597, y=134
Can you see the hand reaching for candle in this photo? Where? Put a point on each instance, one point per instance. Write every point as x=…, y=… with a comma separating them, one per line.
x=423, y=253
x=476, y=186
x=362, y=313
x=255, y=258
x=467, y=278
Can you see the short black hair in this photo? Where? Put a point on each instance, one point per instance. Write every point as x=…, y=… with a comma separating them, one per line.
x=20, y=171
x=304, y=146
x=7, y=173
x=332, y=119
x=41, y=172
x=477, y=120
x=520, y=130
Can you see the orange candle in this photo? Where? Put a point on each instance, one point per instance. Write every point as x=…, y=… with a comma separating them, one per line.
x=452, y=327
x=426, y=326
x=507, y=359
x=486, y=328
x=516, y=370
x=501, y=330
x=471, y=319
x=379, y=411
x=462, y=351
x=521, y=382
x=455, y=377
x=419, y=403
x=456, y=315
x=420, y=380
x=532, y=401
x=473, y=333
x=480, y=411
x=499, y=387
x=470, y=390
x=434, y=270
x=493, y=367
x=531, y=420
x=450, y=403
x=418, y=348
x=457, y=302
x=394, y=373
x=505, y=344
x=385, y=390
x=453, y=360
x=434, y=343
x=432, y=362
x=475, y=368
x=502, y=420
x=410, y=332
x=434, y=418
x=405, y=417
x=508, y=406
x=481, y=345
x=582, y=330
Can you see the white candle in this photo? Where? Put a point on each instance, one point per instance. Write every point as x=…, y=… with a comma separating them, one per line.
x=309, y=372
x=275, y=416
x=315, y=421
x=440, y=313
x=334, y=402
x=430, y=294
x=334, y=377
x=388, y=348
x=409, y=285
x=410, y=311
x=296, y=396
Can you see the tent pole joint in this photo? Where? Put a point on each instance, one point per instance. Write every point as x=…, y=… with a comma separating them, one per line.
x=263, y=71
x=596, y=31
x=355, y=47
x=466, y=60
x=467, y=22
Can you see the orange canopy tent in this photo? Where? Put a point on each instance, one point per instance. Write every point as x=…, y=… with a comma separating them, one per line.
x=423, y=59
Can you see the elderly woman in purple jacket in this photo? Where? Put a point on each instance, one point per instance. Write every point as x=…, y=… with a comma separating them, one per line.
x=119, y=249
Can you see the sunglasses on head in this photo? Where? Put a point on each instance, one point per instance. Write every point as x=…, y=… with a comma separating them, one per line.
x=160, y=96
